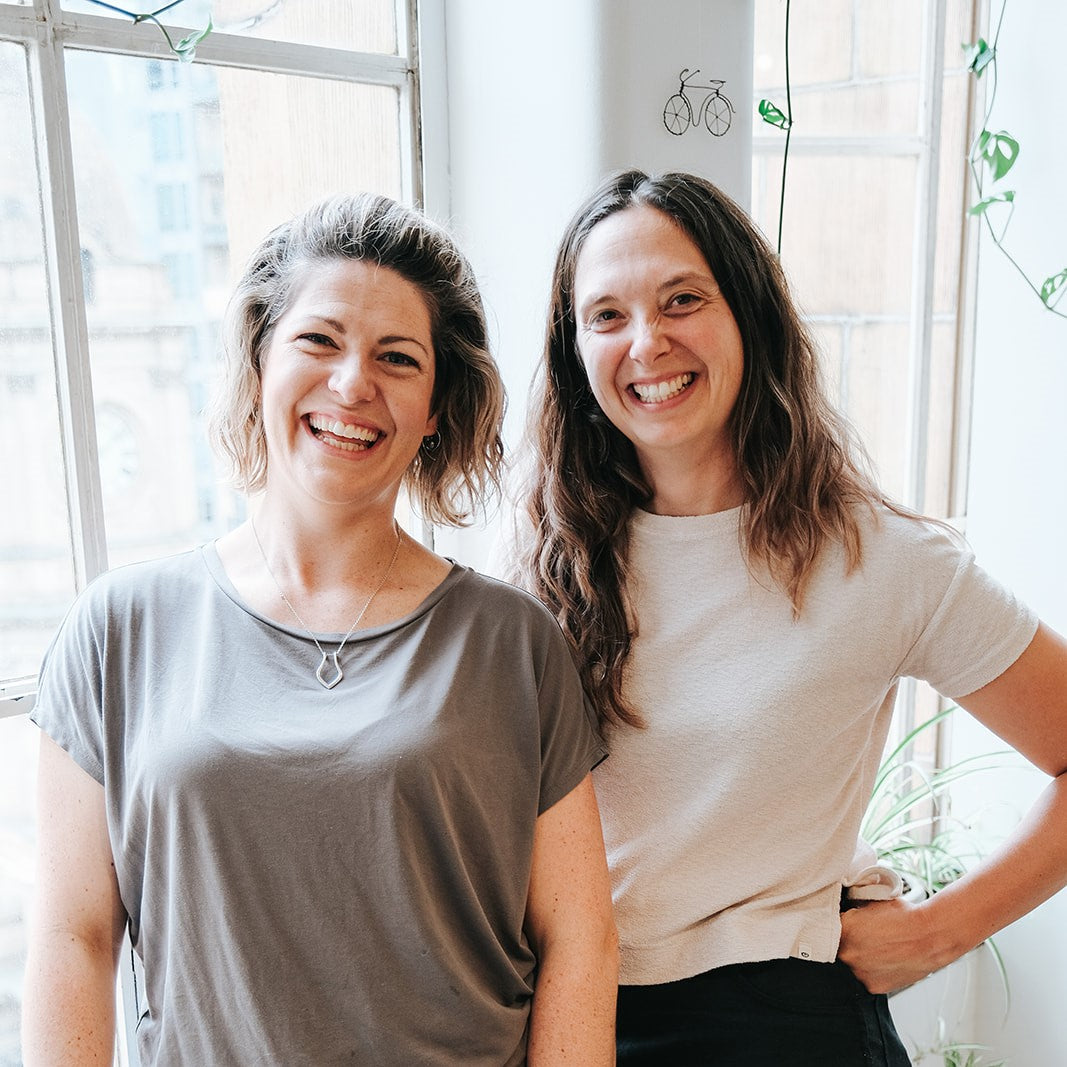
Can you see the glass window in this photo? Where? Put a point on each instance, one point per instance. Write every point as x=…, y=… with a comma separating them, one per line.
x=161, y=75
x=872, y=245
x=18, y=785
x=166, y=136
x=161, y=280
x=173, y=207
x=364, y=26
x=859, y=212
x=36, y=563
x=175, y=171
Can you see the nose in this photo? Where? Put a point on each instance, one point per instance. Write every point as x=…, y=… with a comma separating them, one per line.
x=352, y=378
x=648, y=341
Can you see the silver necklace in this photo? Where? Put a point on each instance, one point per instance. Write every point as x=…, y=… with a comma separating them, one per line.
x=337, y=674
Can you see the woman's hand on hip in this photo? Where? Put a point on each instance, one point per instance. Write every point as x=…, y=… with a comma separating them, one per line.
x=890, y=944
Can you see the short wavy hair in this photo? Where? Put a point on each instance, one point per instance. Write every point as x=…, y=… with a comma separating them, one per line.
x=457, y=469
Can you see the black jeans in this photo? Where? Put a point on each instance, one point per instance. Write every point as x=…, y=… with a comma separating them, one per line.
x=780, y=1013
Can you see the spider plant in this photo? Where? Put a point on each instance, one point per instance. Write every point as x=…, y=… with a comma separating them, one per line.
x=909, y=825
x=908, y=821
x=955, y=1054
x=966, y=1056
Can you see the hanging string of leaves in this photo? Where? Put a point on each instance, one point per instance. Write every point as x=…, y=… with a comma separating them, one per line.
x=992, y=156
x=781, y=120
x=185, y=49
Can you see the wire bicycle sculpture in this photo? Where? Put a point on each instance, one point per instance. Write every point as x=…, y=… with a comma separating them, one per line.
x=715, y=110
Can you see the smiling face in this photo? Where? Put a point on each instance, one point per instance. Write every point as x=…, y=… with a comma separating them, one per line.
x=659, y=343
x=347, y=385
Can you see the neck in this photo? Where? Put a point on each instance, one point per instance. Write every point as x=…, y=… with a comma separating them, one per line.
x=702, y=488
x=315, y=550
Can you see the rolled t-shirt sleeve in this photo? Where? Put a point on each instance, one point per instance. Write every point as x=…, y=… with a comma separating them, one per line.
x=977, y=631
x=570, y=743
x=69, y=698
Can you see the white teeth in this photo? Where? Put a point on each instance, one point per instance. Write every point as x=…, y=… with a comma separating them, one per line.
x=656, y=394
x=350, y=446
x=345, y=432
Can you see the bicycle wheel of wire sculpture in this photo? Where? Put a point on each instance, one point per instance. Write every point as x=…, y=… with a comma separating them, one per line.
x=677, y=114
x=717, y=115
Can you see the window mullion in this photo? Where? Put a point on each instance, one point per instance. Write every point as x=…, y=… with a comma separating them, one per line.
x=55, y=163
x=98, y=33
x=409, y=102
x=432, y=84
x=925, y=250
x=967, y=299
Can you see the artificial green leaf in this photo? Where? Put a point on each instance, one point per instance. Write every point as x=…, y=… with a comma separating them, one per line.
x=185, y=49
x=979, y=56
x=773, y=115
x=1052, y=285
x=986, y=202
x=999, y=150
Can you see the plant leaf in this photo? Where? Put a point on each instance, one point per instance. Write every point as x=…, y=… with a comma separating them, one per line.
x=1051, y=286
x=773, y=115
x=979, y=55
x=890, y=763
x=986, y=202
x=1002, y=972
x=999, y=150
x=185, y=49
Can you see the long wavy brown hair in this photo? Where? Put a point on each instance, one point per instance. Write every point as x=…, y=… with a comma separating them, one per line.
x=802, y=471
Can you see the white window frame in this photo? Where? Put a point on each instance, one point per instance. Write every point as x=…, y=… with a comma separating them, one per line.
x=46, y=31
x=925, y=148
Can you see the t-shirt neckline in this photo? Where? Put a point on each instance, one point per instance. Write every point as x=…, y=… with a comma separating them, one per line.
x=209, y=554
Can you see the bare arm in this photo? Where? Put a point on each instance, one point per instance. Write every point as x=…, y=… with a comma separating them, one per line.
x=77, y=926
x=569, y=921
x=892, y=944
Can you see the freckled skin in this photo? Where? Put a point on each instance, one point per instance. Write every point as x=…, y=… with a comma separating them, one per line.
x=355, y=347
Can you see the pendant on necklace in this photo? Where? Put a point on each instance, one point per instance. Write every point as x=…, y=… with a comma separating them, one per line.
x=331, y=682
x=338, y=674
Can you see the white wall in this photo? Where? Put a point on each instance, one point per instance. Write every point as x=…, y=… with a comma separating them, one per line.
x=542, y=101
x=1018, y=489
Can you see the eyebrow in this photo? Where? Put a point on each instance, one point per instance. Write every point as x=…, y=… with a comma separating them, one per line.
x=388, y=339
x=670, y=283
x=688, y=275
x=395, y=338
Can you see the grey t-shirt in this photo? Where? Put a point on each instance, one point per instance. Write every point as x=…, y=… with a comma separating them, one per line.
x=321, y=876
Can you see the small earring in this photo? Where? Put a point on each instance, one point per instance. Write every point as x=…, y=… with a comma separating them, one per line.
x=432, y=443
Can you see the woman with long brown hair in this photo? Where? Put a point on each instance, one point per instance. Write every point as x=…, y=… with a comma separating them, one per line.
x=742, y=600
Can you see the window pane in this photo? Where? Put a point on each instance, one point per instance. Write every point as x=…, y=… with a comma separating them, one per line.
x=18, y=775
x=323, y=137
x=363, y=26
x=852, y=212
x=888, y=39
x=854, y=68
x=36, y=564
x=174, y=187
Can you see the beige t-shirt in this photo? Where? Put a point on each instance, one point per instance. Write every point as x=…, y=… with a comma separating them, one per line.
x=732, y=820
